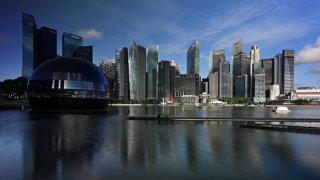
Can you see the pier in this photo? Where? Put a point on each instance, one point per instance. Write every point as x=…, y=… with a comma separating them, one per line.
x=301, y=129
x=226, y=119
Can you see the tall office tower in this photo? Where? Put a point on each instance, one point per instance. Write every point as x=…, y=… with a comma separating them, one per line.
x=109, y=69
x=288, y=71
x=137, y=71
x=241, y=64
x=215, y=57
x=237, y=47
x=84, y=52
x=254, y=58
x=241, y=83
x=45, y=45
x=152, y=71
x=214, y=85
x=268, y=65
x=165, y=81
x=70, y=42
x=123, y=73
x=29, y=28
x=193, y=59
x=277, y=76
x=225, y=80
x=259, y=92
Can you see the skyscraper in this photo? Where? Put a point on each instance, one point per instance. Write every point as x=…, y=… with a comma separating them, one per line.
x=84, y=52
x=29, y=28
x=288, y=71
x=123, y=73
x=70, y=42
x=45, y=45
x=152, y=71
x=268, y=65
x=241, y=65
x=254, y=58
x=278, y=70
x=259, y=92
x=219, y=75
x=215, y=57
x=137, y=71
x=165, y=81
x=193, y=59
x=225, y=80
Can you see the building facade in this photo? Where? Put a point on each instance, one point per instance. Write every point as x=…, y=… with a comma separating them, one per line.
x=306, y=93
x=214, y=85
x=193, y=59
x=29, y=28
x=288, y=71
x=84, y=52
x=45, y=45
x=241, y=66
x=215, y=57
x=70, y=42
x=121, y=57
x=152, y=71
x=165, y=81
x=268, y=66
x=242, y=83
x=186, y=85
x=254, y=58
x=225, y=80
x=137, y=71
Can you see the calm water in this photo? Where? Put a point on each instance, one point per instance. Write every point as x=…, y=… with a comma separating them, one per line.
x=107, y=146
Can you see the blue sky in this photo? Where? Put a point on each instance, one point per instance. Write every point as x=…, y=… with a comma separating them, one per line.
x=173, y=25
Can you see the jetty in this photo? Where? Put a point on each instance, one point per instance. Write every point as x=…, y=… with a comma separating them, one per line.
x=301, y=129
x=226, y=119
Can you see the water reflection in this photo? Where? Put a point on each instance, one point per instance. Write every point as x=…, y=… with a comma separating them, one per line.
x=101, y=146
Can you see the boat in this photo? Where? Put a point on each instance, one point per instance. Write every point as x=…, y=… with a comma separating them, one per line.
x=281, y=109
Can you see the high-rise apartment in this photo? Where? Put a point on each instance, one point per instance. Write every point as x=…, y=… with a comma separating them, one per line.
x=137, y=71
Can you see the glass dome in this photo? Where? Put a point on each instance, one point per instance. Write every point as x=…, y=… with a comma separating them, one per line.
x=67, y=82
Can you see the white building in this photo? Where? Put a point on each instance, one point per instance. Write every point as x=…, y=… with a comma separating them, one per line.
x=307, y=93
x=274, y=92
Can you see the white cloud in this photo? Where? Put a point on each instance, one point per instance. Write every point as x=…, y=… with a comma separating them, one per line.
x=309, y=54
x=90, y=33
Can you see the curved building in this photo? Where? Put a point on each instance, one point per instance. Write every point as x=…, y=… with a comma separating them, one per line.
x=67, y=83
x=193, y=59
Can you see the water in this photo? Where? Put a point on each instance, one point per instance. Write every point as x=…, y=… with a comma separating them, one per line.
x=107, y=146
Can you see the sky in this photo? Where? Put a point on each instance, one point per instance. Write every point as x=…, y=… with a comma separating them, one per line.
x=172, y=25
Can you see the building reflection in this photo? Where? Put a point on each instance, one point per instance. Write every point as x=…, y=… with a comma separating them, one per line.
x=58, y=144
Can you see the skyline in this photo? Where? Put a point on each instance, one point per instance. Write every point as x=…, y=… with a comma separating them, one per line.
x=173, y=27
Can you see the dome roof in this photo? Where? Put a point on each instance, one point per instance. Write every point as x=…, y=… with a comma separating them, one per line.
x=69, y=68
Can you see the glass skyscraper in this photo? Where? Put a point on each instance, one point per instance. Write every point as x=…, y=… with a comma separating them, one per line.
x=288, y=71
x=121, y=56
x=137, y=71
x=45, y=45
x=29, y=28
x=84, y=52
x=268, y=65
x=193, y=59
x=152, y=71
x=241, y=65
x=70, y=43
x=165, y=81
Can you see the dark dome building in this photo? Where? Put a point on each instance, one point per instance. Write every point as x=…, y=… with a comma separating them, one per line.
x=67, y=83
